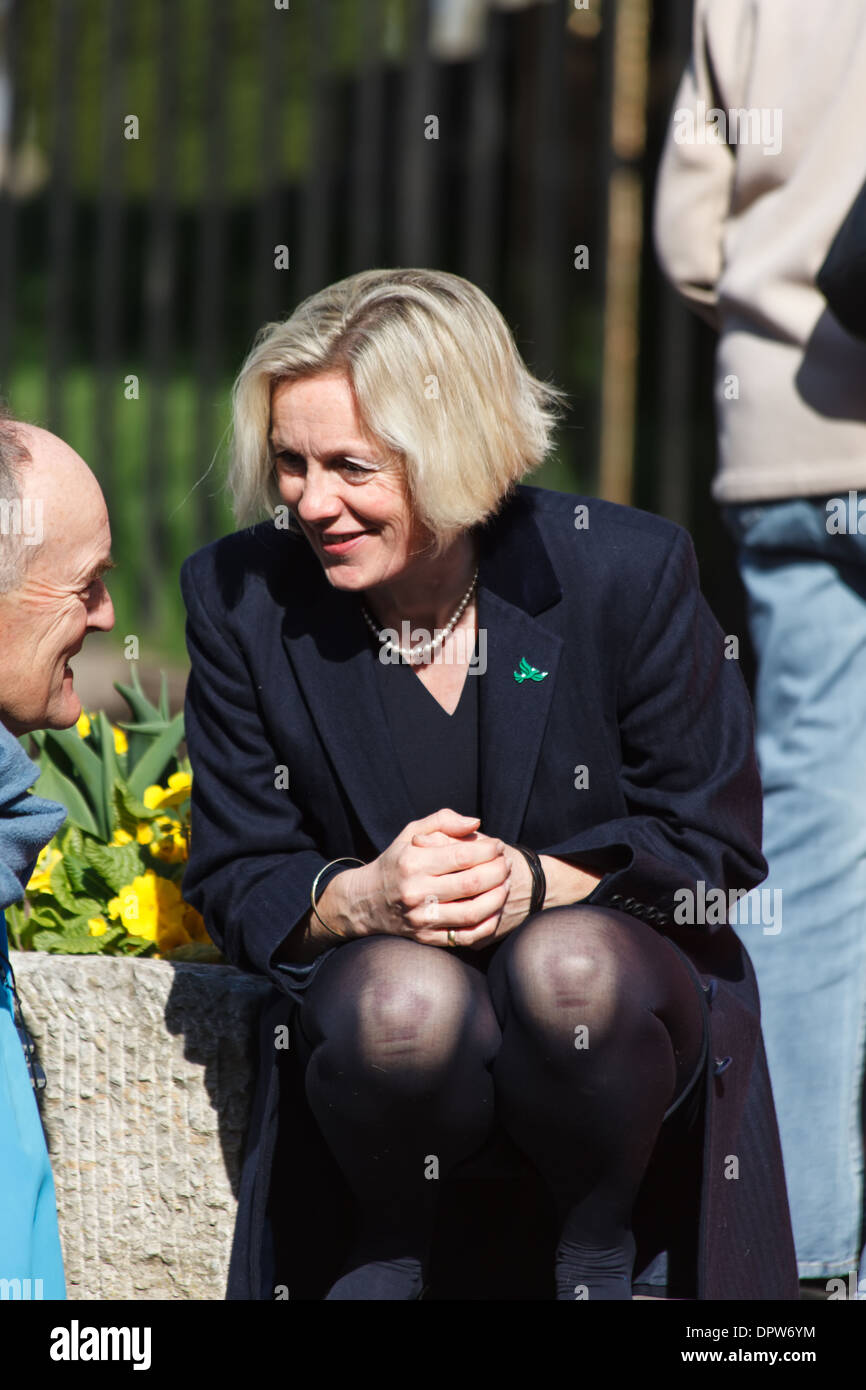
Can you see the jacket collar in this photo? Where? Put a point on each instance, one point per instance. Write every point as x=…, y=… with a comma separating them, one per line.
x=331, y=652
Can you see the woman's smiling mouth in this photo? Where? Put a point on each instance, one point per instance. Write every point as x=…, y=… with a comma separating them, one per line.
x=341, y=543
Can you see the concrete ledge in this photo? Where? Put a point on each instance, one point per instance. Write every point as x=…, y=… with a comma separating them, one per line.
x=150, y=1072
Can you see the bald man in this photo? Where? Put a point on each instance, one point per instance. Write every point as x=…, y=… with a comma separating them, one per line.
x=55, y=545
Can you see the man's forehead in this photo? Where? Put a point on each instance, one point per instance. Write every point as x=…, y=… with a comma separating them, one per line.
x=76, y=533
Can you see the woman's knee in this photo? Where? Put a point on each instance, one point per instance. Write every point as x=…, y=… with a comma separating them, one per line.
x=393, y=1004
x=581, y=976
x=571, y=967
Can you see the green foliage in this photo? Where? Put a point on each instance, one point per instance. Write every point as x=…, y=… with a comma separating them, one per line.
x=92, y=779
x=195, y=44
x=109, y=881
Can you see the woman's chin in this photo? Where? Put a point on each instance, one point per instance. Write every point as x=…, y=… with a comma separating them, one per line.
x=353, y=578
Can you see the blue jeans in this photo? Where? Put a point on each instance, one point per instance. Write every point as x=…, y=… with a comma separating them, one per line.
x=807, y=616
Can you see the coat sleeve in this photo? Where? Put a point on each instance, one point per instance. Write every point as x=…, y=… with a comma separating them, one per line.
x=689, y=773
x=251, y=862
x=695, y=178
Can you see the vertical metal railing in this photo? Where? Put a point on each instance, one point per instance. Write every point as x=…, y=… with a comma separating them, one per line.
x=160, y=283
x=61, y=210
x=11, y=31
x=109, y=251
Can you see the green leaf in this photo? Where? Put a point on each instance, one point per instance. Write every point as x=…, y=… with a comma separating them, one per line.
x=45, y=913
x=155, y=726
x=129, y=810
x=110, y=772
x=91, y=907
x=135, y=697
x=82, y=758
x=137, y=945
x=72, y=849
x=74, y=941
x=73, y=844
x=62, y=889
x=118, y=865
x=19, y=927
x=150, y=768
x=197, y=951
x=83, y=878
x=56, y=787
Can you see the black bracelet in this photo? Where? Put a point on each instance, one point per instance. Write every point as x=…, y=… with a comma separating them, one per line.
x=539, y=882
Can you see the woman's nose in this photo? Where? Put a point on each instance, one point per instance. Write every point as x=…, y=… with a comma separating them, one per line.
x=319, y=495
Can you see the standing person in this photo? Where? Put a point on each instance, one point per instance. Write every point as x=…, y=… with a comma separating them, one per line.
x=54, y=546
x=460, y=746
x=763, y=159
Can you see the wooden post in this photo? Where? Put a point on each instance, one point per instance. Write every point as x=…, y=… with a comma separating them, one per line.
x=624, y=243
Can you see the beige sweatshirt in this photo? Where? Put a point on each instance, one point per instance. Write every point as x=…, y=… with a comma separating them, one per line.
x=742, y=233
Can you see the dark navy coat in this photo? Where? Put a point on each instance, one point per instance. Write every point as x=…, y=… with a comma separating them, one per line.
x=638, y=691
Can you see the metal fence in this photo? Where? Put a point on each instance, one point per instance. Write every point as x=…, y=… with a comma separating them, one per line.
x=159, y=156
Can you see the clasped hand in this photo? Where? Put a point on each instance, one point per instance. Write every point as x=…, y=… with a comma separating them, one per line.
x=443, y=874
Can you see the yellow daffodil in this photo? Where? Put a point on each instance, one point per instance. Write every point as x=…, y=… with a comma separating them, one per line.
x=40, y=879
x=171, y=845
x=121, y=743
x=82, y=726
x=153, y=908
x=143, y=833
x=178, y=789
x=98, y=926
x=171, y=849
x=194, y=925
x=121, y=837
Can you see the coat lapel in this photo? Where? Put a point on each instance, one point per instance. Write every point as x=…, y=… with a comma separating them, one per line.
x=332, y=654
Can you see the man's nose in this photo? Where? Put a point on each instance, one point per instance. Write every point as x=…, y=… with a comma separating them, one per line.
x=102, y=616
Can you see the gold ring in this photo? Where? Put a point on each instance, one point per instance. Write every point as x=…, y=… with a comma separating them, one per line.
x=451, y=941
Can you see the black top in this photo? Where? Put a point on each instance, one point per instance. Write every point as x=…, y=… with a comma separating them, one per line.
x=438, y=752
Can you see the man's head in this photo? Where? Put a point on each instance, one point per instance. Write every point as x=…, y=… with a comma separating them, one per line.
x=55, y=543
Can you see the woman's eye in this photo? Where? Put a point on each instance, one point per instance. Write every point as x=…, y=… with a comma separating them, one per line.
x=353, y=468
x=359, y=470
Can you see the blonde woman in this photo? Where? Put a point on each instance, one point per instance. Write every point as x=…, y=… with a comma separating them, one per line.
x=460, y=748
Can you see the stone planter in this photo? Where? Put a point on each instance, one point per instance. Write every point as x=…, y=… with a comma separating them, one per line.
x=150, y=1072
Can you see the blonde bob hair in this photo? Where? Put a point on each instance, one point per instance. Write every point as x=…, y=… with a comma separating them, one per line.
x=437, y=380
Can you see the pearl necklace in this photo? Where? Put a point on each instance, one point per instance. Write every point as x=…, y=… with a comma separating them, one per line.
x=423, y=649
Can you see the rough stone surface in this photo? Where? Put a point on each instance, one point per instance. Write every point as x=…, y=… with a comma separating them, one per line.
x=150, y=1079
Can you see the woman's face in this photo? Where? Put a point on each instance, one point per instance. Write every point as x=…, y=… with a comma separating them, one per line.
x=347, y=493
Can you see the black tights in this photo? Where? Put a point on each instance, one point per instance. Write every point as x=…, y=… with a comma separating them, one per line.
x=584, y=1030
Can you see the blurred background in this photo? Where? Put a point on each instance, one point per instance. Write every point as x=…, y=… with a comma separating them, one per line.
x=174, y=173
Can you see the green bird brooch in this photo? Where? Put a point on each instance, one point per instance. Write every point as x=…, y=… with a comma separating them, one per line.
x=528, y=673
